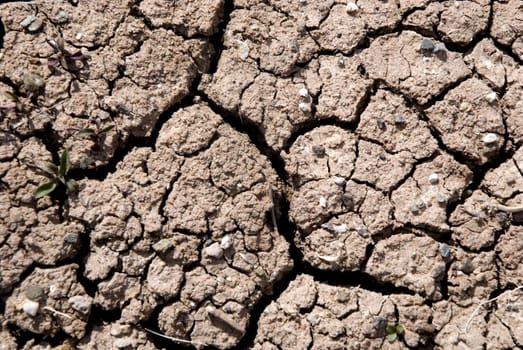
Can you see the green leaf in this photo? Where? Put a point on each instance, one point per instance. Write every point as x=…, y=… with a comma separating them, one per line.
x=49, y=168
x=65, y=163
x=64, y=63
x=72, y=186
x=400, y=329
x=45, y=189
x=86, y=132
x=60, y=43
x=392, y=337
x=106, y=129
x=390, y=329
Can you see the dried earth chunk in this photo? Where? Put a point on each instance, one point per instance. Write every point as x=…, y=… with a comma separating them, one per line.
x=316, y=315
x=468, y=122
x=458, y=22
x=398, y=60
x=422, y=199
x=510, y=260
x=202, y=183
x=49, y=300
x=406, y=260
x=507, y=25
x=190, y=18
x=472, y=224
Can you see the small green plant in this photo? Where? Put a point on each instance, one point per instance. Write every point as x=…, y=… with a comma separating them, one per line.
x=17, y=107
x=63, y=57
x=58, y=175
x=393, y=332
x=96, y=134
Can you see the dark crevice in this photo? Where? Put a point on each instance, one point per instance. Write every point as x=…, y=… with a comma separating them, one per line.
x=254, y=133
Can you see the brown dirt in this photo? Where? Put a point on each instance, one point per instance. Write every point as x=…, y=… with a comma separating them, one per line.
x=279, y=175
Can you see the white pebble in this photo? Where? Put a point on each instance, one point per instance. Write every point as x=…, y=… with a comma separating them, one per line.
x=79, y=36
x=27, y=21
x=433, y=178
x=340, y=228
x=323, y=202
x=243, y=49
x=340, y=181
x=80, y=303
x=491, y=97
x=352, y=7
x=30, y=307
x=214, y=250
x=304, y=107
x=123, y=343
x=490, y=138
x=226, y=242
x=304, y=92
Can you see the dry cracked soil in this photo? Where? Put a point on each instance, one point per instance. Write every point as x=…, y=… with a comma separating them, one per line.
x=305, y=174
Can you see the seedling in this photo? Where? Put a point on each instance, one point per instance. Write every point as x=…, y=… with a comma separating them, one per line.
x=393, y=332
x=63, y=57
x=58, y=174
x=17, y=107
x=97, y=134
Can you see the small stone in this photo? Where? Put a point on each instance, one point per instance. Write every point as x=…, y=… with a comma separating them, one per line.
x=340, y=229
x=305, y=107
x=340, y=181
x=61, y=17
x=226, y=242
x=304, y=92
x=214, y=250
x=379, y=323
x=342, y=295
x=382, y=156
x=35, y=26
x=414, y=209
x=467, y=266
x=439, y=47
x=444, y=250
x=27, y=21
x=491, y=97
x=426, y=44
x=120, y=329
x=438, y=272
x=78, y=36
x=123, y=343
x=243, y=50
x=162, y=246
x=441, y=199
x=80, y=303
x=364, y=233
x=399, y=121
x=381, y=123
x=433, y=179
x=421, y=204
x=72, y=238
x=490, y=138
x=323, y=202
x=30, y=307
x=318, y=150
x=352, y=7
x=35, y=292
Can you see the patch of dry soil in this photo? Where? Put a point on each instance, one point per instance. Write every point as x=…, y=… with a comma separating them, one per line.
x=313, y=174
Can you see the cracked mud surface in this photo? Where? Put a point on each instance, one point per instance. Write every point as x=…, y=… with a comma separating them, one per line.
x=267, y=175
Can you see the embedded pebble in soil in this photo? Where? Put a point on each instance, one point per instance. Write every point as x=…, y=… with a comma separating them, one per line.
x=464, y=117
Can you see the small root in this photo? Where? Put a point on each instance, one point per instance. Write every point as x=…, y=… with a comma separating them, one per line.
x=176, y=340
x=487, y=302
x=56, y=312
